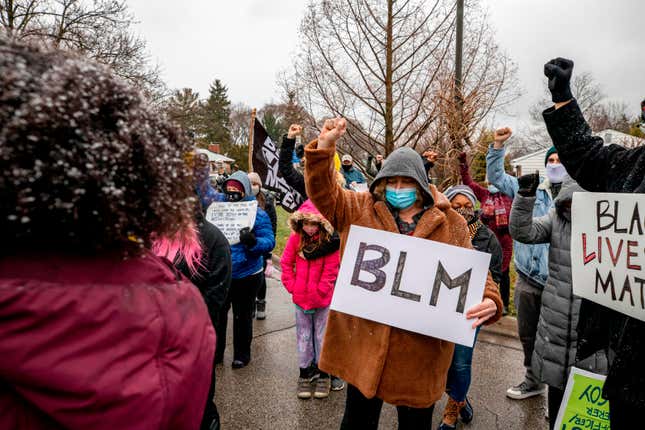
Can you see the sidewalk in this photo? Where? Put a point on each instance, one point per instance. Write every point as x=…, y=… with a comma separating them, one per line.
x=262, y=395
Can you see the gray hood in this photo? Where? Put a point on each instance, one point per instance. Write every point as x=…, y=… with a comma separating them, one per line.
x=405, y=162
x=242, y=178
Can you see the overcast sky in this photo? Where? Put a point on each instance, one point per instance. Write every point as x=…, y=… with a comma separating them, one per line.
x=245, y=43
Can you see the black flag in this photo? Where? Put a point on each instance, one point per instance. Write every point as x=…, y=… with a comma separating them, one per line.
x=265, y=164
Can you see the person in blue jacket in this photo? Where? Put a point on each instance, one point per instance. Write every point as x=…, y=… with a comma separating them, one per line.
x=352, y=174
x=248, y=271
x=531, y=261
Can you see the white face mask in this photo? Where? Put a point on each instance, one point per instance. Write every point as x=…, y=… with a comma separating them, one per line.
x=556, y=173
x=255, y=189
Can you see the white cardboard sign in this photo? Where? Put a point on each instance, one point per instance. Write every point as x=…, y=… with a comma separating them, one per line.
x=230, y=218
x=411, y=283
x=608, y=250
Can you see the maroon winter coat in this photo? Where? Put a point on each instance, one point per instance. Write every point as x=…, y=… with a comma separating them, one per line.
x=101, y=343
x=502, y=233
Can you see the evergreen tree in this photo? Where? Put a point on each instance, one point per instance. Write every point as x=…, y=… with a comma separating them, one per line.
x=274, y=127
x=215, y=118
x=184, y=109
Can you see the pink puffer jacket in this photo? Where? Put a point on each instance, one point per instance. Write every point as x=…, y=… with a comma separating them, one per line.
x=310, y=282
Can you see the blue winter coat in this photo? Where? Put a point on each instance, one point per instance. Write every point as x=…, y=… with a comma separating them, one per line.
x=532, y=261
x=353, y=175
x=246, y=260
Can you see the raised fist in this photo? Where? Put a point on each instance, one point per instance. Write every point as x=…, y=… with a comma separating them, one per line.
x=559, y=73
x=462, y=158
x=333, y=130
x=294, y=130
x=502, y=135
x=430, y=155
x=528, y=184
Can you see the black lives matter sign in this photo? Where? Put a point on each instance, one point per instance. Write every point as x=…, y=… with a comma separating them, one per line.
x=411, y=283
x=608, y=250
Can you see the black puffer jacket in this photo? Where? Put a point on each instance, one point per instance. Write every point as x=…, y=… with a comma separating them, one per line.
x=213, y=278
x=599, y=168
x=293, y=178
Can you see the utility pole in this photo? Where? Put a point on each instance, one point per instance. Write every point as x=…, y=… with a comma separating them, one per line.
x=459, y=45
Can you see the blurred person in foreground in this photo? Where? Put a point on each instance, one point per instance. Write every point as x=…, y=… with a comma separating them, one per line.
x=97, y=332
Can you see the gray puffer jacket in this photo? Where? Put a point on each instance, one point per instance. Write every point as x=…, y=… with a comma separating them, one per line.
x=556, y=340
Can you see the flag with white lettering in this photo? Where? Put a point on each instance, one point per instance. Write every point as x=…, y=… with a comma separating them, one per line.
x=265, y=164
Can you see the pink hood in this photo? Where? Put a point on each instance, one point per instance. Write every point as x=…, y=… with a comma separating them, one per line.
x=310, y=282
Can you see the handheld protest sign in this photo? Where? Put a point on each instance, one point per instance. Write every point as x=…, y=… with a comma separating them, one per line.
x=411, y=283
x=608, y=250
x=231, y=217
x=582, y=405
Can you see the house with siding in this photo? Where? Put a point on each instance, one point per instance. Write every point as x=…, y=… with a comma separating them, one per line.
x=535, y=161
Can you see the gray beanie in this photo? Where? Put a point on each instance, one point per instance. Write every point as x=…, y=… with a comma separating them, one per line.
x=405, y=162
x=464, y=190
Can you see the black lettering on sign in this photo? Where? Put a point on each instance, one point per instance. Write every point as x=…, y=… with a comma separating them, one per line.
x=370, y=266
x=602, y=207
x=396, y=286
x=609, y=282
x=461, y=282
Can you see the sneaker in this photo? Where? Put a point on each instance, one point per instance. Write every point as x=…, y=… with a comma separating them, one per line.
x=450, y=414
x=337, y=384
x=525, y=390
x=304, y=388
x=261, y=309
x=323, y=385
x=466, y=413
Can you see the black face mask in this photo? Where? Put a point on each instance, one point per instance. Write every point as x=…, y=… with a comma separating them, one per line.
x=347, y=167
x=233, y=196
x=378, y=164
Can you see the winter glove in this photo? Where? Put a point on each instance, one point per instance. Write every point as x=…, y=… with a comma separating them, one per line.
x=559, y=73
x=247, y=237
x=528, y=184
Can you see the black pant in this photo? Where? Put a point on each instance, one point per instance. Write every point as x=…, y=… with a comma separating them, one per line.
x=362, y=413
x=262, y=290
x=554, y=401
x=624, y=416
x=528, y=301
x=505, y=287
x=242, y=296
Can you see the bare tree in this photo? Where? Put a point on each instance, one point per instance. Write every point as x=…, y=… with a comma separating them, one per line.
x=386, y=66
x=99, y=29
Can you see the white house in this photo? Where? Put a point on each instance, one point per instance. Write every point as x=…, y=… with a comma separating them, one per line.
x=535, y=161
x=216, y=161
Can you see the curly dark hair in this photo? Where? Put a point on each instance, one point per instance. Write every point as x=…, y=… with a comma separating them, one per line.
x=85, y=163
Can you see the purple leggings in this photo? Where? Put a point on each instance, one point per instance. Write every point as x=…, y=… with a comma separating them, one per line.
x=310, y=329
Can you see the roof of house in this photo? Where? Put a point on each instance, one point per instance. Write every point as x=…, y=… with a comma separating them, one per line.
x=213, y=156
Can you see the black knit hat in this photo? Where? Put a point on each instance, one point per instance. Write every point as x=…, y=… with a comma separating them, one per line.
x=549, y=153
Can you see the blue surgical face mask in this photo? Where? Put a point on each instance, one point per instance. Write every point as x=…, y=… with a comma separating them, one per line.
x=402, y=198
x=556, y=173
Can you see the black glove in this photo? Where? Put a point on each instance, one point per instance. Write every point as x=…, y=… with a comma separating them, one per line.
x=559, y=73
x=247, y=237
x=528, y=184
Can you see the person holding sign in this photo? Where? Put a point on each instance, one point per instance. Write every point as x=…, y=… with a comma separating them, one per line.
x=380, y=362
x=463, y=201
x=556, y=341
x=600, y=168
x=248, y=271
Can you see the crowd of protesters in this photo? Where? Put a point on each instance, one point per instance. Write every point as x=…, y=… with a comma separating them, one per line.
x=115, y=290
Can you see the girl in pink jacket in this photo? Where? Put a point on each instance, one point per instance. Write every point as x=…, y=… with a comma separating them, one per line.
x=311, y=283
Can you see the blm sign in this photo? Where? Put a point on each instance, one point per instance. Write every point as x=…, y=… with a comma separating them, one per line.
x=265, y=163
x=608, y=250
x=411, y=283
